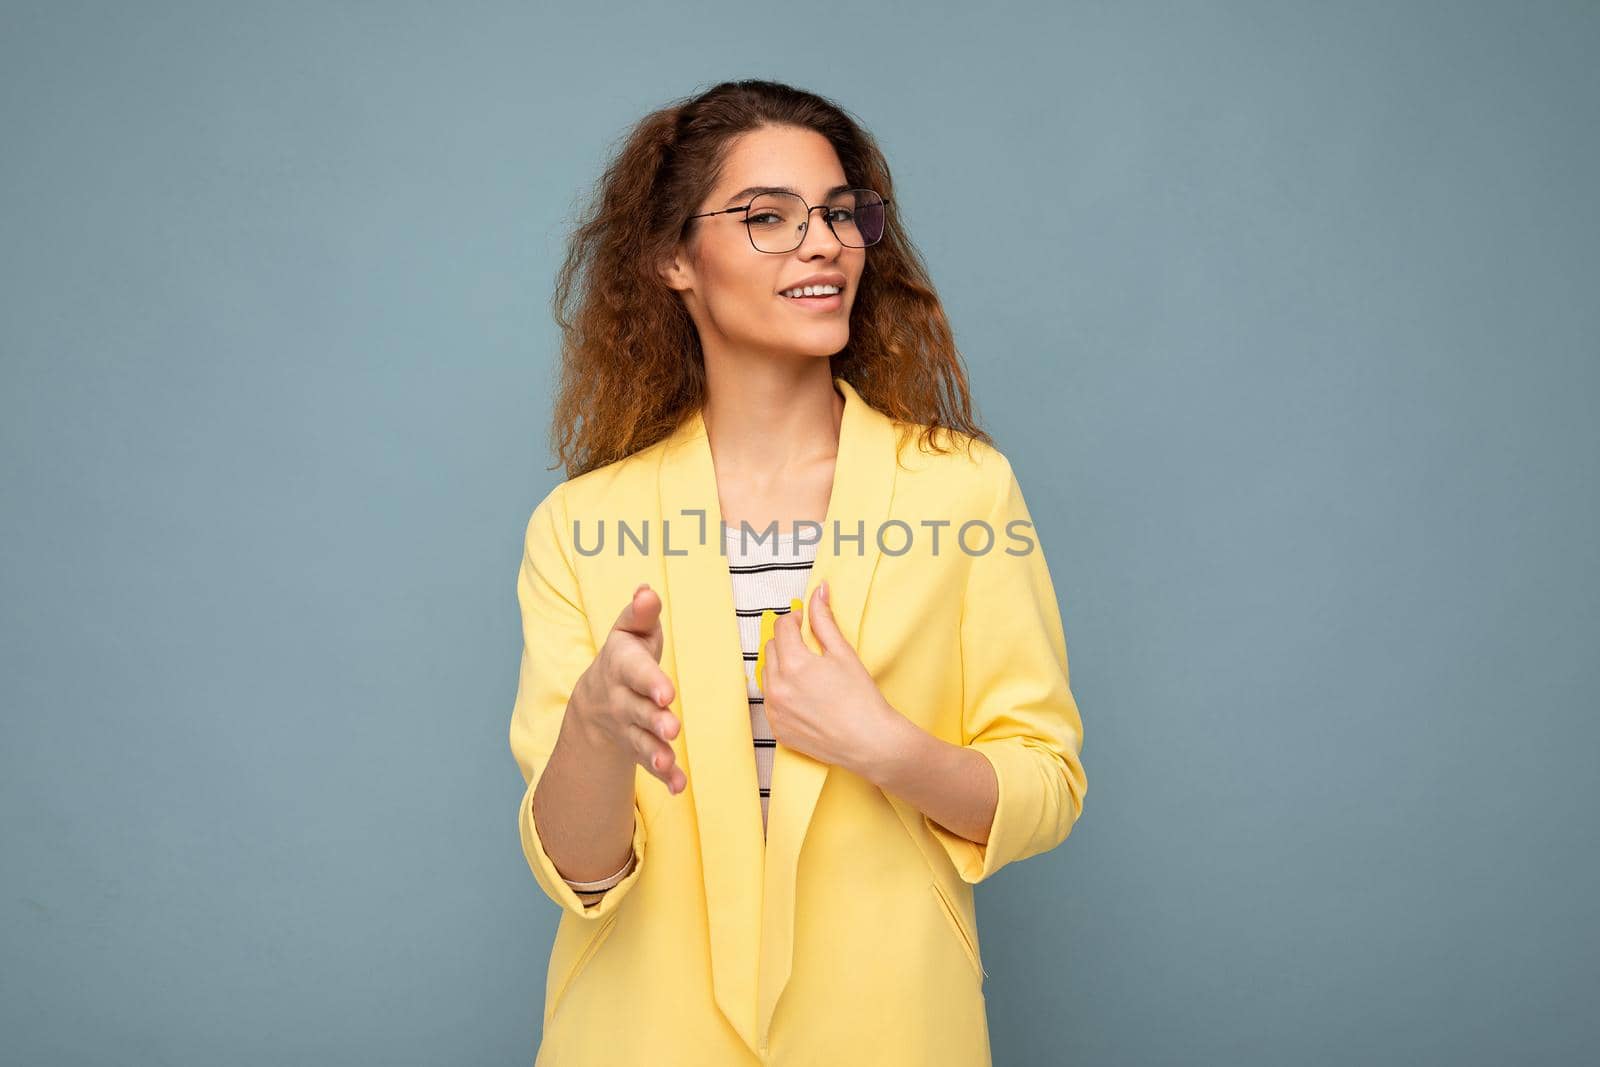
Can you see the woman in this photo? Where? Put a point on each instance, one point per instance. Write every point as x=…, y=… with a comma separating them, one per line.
x=903, y=654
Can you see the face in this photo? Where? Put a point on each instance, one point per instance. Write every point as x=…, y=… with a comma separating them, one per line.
x=733, y=291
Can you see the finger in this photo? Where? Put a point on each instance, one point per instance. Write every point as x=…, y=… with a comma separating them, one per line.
x=664, y=765
x=769, y=652
x=654, y=755
x=646, y=715
x=787, y=632
x=822, y=621
x=665, y=724
x=642, y=618
x=637, y=670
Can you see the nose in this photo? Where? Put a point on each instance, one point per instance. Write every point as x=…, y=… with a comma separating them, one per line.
x=830, y=243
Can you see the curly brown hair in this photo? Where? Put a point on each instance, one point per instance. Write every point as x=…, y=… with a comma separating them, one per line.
x=631, y=366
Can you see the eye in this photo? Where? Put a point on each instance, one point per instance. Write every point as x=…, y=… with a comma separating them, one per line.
x=842, y=214
x=763, y=215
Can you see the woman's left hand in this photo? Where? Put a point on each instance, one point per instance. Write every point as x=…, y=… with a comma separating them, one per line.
x=826, y=705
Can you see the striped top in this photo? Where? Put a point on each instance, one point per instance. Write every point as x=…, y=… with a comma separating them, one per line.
x=766, y=576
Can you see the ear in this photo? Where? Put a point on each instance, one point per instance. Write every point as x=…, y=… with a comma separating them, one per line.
x=675, y=270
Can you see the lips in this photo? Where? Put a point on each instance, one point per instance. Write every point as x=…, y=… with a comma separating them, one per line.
x=833, y=278
x=815, y=303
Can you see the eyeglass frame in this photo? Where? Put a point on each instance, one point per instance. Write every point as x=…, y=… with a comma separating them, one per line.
x=882, y=200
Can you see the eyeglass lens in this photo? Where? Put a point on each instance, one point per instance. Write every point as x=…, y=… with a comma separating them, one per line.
x=777, y=220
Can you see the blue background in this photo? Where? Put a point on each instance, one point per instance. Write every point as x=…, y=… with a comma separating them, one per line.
x=1285, y=312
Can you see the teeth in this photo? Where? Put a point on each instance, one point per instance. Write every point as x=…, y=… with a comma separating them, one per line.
x=812, y=290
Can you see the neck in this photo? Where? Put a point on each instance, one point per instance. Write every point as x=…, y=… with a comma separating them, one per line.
x=765, y=418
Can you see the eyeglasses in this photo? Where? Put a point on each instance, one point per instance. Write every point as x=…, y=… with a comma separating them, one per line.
x=777, y=222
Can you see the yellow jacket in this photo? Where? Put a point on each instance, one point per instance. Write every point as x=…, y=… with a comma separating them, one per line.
x=724, y=949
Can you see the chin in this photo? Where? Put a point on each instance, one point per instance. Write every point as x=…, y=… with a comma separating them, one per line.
x=822, y=340
x=820, y=351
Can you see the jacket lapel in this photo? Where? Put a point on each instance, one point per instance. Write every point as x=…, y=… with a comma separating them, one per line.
x=749, y=887
x=863, y=485
x=702, y=635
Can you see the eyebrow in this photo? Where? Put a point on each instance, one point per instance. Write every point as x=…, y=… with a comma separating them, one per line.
x=755, y=190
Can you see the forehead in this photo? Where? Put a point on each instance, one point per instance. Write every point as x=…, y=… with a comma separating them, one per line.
x=800, y=159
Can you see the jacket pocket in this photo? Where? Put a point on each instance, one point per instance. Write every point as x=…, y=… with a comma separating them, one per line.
x=585, y=954
x=968, y=943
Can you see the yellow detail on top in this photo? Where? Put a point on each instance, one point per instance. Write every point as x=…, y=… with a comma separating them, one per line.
x=769, y=621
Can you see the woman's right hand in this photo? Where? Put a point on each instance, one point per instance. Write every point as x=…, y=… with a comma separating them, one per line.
x=621, y=700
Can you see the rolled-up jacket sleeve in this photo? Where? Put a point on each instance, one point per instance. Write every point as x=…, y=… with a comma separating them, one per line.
x=1017, y=705
x=557, y=648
